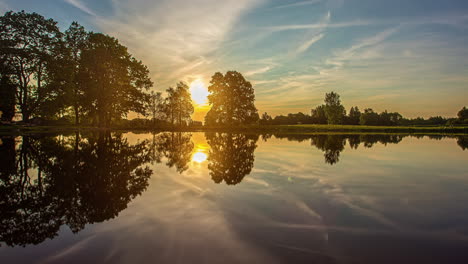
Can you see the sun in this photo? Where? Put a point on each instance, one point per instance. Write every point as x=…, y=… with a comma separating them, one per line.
x=199, y=92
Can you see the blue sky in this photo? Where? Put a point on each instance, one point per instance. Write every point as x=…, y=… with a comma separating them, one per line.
x=406, y=56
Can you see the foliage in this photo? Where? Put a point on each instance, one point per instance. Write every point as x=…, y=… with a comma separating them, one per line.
x=232, y=100
x=115, y=81
x=334, y=110
x=178, y=106
x=7, y=98
x=318, y=115
x=29, y=44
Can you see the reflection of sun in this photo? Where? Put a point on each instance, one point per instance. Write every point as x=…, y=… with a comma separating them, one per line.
x=199, y=154
x=199, y=157
x=199, y=92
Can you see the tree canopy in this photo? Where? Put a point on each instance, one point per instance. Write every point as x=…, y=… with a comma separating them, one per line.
x=232, y=100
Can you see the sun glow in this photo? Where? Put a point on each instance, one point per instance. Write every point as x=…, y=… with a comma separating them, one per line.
x=199, y=157
x=199, y=92
x=200, y=151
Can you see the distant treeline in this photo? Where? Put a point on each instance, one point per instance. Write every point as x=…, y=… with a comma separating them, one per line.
x=334, y=113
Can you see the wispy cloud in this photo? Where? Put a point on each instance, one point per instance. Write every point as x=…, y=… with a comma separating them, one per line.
x=177, y=38
x=81, y=6
x=258, y=71
x=343, y=55
x=302, y=3
x=306, y=45
x=321, y=25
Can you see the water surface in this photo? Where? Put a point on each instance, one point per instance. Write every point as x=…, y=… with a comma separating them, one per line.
x=233, y=198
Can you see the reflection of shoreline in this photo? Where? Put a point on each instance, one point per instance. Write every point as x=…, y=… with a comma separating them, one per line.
x=88, y=178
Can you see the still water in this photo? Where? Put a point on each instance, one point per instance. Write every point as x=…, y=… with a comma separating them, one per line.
x=105, y=197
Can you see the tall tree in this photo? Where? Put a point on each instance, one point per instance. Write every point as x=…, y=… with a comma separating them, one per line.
x=155, y=106
x=7, y=97
x=115, y=81
x=76, y=39
x=334, y=110
x=232, y=100
x=178, y=106
x=28, y=42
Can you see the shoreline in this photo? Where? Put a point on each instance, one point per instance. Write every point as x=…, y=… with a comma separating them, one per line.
x=266, y=129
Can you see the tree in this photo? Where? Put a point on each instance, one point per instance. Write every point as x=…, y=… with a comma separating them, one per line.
x=334, y=110
x=154, y=107
x=7, y=98
x=266, y=119
x=369, y=117
x=318, y=115
x=232, y=100
x=178, y=106
x=115, y=81
x=463, y=115
x=28, y=43
x=76, y=39
x=354, y=116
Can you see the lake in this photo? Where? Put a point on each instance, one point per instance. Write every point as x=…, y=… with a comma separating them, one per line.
x=102, y=197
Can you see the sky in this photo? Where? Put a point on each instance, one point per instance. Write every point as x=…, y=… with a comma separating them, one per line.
x=399, y=55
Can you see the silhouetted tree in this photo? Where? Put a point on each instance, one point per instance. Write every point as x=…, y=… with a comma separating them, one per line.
x=28, y=43
x=318, y=115
x=334, y=111
x=76, y=40
x=7, y=98
x=155, y=106
x=354, y=116
x=114, y=80
x=178, y=106
x=232, y=100
x=463, y=115
x=231, y=156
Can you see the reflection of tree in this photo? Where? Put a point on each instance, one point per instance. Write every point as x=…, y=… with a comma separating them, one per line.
x=177, y=148
x=68, y=180
x=231, y=156
x=333, y=144
x=462, y=141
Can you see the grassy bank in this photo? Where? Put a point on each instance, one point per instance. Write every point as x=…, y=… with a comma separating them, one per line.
x=16, y=129
x=350, y=128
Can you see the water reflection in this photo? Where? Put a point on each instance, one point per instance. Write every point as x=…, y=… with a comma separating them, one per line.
x=176, y=147
x=46, y=182
x=76, y=179
x=333, y=144
x=231, y=156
